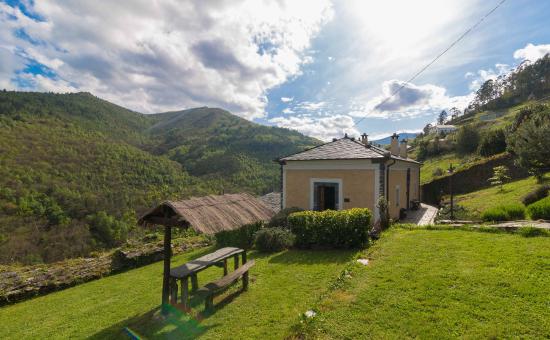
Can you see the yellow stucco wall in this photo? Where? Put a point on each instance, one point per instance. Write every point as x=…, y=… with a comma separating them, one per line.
x=398, y=177
x=357, y=186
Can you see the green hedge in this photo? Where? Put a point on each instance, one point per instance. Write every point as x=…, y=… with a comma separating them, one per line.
x=329, y=228
x=540, y=209
x=240, y=238
x=507, y=212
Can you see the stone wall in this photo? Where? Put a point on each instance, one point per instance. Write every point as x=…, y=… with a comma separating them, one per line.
x=21, y=283
x=471, y=179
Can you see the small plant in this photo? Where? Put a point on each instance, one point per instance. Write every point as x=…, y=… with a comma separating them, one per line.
x=540, y=210
x=500, y=176
x=504, y=213
x=270, y=240
x=536, y=195
x=533, y=232
x=437, y=172
x=384, y=212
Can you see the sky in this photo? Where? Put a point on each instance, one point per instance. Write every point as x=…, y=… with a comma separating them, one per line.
x=320, y=67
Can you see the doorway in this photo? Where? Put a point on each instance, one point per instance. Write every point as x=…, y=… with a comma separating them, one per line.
x=326, y=196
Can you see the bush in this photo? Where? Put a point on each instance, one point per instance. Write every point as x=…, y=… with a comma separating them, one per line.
x=533, y=232
x=280, y=218
x=492, y=142
x=536, y=195
x=540, y=210
x=240, y=238
x=504, y=213
x=329, y=228
x=467, y=140
x=270, y=240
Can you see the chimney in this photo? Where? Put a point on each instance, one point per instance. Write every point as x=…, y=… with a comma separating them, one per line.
x=403, y=149
x=365, y=139
x=394, y=147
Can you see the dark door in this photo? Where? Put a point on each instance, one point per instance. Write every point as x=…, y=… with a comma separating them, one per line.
x=330, y=198
x=326, y=196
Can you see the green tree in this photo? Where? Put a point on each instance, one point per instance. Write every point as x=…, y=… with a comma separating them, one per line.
x=500, y=176
x=492, y=142
x=467, y=140
x=530, y=143
x=442, y=118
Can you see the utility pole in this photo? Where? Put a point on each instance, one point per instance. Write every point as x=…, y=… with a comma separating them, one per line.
x=450, y=171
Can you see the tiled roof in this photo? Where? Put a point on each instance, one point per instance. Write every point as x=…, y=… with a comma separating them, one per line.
x=344, y=148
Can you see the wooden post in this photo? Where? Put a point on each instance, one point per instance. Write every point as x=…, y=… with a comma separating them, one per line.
x=166, y=274
x=173, y=291
x=245, y=275
x=236, y=261
x=185, y=291
x=224, y=267
x=194, y=282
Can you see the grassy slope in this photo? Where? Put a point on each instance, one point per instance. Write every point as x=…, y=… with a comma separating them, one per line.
x=498, y=120
x=282, y=286
x=477, y=202
x=443, y=284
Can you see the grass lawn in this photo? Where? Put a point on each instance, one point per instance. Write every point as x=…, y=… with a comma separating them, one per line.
x=442, y=284
x=477, y=202
x=282, y=286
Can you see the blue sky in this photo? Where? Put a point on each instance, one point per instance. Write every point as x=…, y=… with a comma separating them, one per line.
x=314, y=66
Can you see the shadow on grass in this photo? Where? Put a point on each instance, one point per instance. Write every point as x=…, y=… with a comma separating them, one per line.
x=314, y=256
x=176, y=325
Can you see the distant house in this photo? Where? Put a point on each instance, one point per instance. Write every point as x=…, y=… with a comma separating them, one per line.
x=443, y=129
x=348, y=173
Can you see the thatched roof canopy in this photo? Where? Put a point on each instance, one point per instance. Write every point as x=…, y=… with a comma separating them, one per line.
x=209, y=214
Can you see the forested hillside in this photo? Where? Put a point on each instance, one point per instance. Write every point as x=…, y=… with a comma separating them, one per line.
x=75, y=170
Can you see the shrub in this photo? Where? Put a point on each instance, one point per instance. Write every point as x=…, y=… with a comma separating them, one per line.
x=240, y=238
x=536, y=195
x=329, y=228
x=504, y=213
x=467, y=140
x=437, y=172
x=492, y=142
x=540, y=209
x=533, y=232
x=273, y=239
x=280, y=218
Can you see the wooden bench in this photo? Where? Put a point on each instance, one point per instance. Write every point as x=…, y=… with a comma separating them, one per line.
x=211, y=289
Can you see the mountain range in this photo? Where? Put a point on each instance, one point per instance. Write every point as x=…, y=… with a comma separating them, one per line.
x=76, y=170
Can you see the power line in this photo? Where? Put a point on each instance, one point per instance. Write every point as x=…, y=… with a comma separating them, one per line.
x=432, y=62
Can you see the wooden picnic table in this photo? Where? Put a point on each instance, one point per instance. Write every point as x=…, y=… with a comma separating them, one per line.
x=191, y=268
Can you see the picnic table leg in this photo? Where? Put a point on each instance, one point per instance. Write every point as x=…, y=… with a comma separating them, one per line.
x=184, y=291
x=224, y=267
x=245, y=275
x=236, y=261
x=173, y=291
x=194, y=282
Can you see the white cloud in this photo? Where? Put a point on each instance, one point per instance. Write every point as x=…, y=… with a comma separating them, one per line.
x=168, y=55
x=323, y=128
x=410, y=102
x=288, y=111
x=477, y=79
x=532, y=52
x=311, y=106
x=287, y=99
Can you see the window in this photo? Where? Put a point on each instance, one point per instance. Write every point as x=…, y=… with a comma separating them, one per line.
x=326, y=194
x=397, y=195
